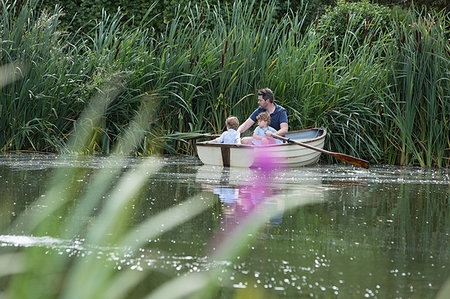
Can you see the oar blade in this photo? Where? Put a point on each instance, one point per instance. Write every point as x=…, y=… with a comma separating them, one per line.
x=352, y=160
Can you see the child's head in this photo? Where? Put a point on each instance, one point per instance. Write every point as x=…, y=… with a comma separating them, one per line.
x=264, y=116
x=232, y=123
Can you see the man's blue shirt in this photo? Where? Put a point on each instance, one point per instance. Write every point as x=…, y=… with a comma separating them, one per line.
x=278, y=116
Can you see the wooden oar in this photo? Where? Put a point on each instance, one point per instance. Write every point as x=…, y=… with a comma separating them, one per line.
x=191, y=136
x=205, y=136
x=342, y=157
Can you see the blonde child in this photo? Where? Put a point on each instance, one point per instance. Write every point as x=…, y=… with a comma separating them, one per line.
x=231, y=136
x=259, y=135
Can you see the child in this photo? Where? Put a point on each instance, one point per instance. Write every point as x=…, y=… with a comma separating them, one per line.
x=259, y=135
x=231, y=136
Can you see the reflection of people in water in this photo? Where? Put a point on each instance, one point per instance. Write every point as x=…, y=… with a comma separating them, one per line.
x=257, y=195
x=238, y=201
x=253, y=195
x=227, y=194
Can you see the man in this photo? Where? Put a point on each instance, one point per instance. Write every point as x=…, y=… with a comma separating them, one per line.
x=277, y=113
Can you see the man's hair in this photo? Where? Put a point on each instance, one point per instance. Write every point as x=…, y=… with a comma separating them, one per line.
x=267, y=94
x=264, y=116
x=232, y=122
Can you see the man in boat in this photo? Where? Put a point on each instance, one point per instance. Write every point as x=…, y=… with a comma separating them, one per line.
x=278, y=116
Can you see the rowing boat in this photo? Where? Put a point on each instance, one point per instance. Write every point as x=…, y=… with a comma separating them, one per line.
x=288, y=154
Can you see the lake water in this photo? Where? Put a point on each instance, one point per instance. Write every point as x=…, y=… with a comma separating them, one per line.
x=327, y=231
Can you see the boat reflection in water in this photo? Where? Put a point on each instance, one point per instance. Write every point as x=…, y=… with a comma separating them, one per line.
x=260, y=189
x=239, y=200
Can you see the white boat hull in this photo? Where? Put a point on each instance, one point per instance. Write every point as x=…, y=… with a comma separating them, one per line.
x=288, y=154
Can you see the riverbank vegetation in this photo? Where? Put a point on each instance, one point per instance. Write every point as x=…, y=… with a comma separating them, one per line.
x=376, y=77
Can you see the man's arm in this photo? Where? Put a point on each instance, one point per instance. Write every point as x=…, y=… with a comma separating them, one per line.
x=246, y=125
x=284, y=128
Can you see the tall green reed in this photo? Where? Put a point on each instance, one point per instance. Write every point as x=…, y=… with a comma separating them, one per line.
x=63, y=70
x=417, y=104
x=335, y=89
x=224, y=64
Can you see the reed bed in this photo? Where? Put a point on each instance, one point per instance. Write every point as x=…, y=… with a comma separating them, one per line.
x=419, y=92
x=384, y=98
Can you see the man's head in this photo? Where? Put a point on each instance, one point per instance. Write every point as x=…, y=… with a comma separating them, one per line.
x=265, y=97
x=232, y=123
